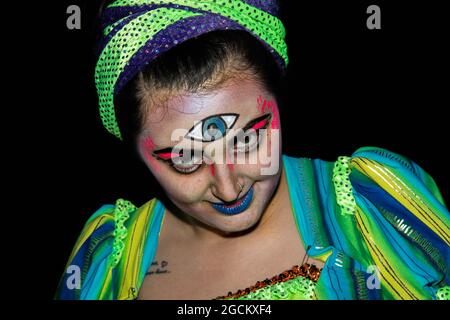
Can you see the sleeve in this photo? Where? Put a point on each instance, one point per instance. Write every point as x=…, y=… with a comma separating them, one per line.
x=87, y=273
x=404, y=222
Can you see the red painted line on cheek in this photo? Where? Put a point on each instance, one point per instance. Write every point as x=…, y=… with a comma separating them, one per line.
x=213, y=170
x=167, y=156
x=230, y=166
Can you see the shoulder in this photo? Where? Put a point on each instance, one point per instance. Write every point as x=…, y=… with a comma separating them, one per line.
x=401, y=217
x=98, y=249
x=401, y=190
x=392, y=172
x=373, y=155
x=106, y=222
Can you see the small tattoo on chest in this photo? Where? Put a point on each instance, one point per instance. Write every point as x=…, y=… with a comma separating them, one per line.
x=158, y=267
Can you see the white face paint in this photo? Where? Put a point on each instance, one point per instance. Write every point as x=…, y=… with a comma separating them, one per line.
x=228, y=182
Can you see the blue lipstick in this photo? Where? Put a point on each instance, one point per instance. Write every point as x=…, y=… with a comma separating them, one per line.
x=238, y=206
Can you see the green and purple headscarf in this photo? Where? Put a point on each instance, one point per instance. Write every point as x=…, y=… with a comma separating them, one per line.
x=135, y=32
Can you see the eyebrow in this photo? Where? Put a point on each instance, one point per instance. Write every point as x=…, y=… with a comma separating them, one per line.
x=256, y=124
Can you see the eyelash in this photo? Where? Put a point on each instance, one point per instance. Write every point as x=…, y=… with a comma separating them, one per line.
x=258, y=139
x=188, y=170
x=191, y=168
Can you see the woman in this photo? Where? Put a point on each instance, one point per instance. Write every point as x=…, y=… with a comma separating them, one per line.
x=193, y=86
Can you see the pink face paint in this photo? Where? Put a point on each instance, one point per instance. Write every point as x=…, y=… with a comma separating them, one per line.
x=148, y=146
x=167, y=155
x=264, y=105
x=260, y=125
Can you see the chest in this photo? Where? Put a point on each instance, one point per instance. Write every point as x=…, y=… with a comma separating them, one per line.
x=179, y=272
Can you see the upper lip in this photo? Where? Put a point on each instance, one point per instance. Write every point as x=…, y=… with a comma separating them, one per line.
x=234, y=201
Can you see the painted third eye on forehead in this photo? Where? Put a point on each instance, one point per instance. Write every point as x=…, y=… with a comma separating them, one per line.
x=212, y=128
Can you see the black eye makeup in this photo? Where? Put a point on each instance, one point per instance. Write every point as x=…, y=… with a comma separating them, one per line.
x=250, y=137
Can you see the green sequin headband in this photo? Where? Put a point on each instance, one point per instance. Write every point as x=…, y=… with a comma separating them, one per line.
x=138, y=31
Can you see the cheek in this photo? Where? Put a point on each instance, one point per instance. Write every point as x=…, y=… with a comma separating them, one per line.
x=254, y=175
x=229, y=162
x=183, y=189
x=269, y=156
x=273, y=138
x=185, y=192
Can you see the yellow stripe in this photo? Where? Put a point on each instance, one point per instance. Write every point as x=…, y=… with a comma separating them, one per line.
x=324, y=256
x=106, y=288
x=404, y=195
x=134, y=250
x=400, y=291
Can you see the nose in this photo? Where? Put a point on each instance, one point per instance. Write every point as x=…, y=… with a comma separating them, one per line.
x=225, y=185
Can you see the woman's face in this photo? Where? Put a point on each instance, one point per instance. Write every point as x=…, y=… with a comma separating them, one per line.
x=216, y=154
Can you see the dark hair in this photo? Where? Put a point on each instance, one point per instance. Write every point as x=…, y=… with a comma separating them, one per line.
x=191, y=64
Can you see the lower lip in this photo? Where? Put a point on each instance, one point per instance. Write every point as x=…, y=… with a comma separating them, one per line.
x=237, y=208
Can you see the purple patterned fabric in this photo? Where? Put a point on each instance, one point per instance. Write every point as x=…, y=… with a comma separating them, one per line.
x=270, y=6
x=174, y=34
x=114, y=14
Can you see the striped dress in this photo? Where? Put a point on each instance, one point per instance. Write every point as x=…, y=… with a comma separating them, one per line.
x=376, y=219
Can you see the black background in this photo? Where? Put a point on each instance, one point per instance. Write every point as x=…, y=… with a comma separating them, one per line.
x=347, y=87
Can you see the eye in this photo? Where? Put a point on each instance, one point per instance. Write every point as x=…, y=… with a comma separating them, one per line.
x=187, y=167
x=247, y=141
x=182, y=160
x=187, y=161
x=250, y=137
x=212, y=128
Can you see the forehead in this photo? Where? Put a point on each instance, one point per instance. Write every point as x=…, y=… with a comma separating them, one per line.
x=184, y=110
